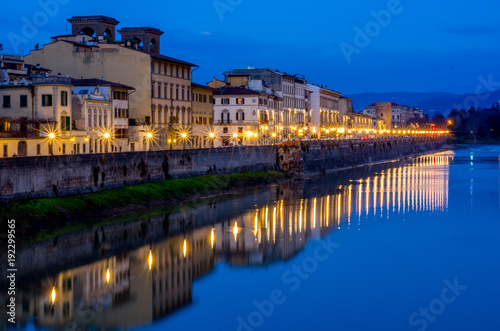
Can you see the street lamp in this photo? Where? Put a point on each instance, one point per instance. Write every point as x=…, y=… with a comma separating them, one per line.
x=51, y=136
x=149, y=137
x=211, y=135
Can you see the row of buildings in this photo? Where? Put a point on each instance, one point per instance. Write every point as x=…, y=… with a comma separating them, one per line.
x=87, y=92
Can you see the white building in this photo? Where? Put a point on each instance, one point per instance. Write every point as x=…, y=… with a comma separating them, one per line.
x=101, y=109
x=325, y=109
x=246, y=117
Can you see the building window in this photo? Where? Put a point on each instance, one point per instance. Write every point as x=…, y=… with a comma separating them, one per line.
x=240, y=101
x=65, y=123
x=188, y=93
x=64, y=148
x=153, y=90
x=38, y=149
x=204, y=98
x=165, y=66
x=152, y=67
x=5, y=150
x=23, y=101
x=64, y=98
x=100, y=118
x=182, y=95
x=6, y=101
x=171, y=92
x=177, y=93
x=165, y=91
x=159, y=90
x=182, y=72
x=177, y=71
x=225, y=101
x=225, y=129
x=46, y=100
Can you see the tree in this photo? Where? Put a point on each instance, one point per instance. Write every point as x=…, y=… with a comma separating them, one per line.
x=439, y=120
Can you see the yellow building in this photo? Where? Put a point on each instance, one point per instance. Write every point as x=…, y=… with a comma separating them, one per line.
x=162, y=84
x=202, y=120
x=36, y=118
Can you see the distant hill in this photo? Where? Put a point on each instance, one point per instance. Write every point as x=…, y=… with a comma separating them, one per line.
x=429, y=102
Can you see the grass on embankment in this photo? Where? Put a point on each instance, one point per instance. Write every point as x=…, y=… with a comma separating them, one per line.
x=35, y=216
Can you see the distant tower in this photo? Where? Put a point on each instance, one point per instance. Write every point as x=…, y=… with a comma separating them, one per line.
x=383, y=110
x=95, y=26
x=145, y=38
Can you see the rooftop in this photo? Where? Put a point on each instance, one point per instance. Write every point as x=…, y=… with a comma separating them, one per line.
x=96, y=82
x=143, y=28
x=99, y=18
x=201, y=86
x=234, y=90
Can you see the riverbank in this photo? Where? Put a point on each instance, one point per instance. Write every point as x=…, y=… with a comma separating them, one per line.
x=39, y=219
x=464, y=141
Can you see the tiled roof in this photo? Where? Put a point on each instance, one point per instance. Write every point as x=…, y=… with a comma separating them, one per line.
x=96, y=81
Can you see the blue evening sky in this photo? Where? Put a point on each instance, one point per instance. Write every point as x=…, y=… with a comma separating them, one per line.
x=424, y=46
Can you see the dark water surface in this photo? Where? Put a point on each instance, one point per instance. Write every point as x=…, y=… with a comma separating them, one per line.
x=410, y=245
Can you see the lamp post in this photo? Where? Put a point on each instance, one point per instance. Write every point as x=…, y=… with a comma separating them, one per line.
x=184, y=137
x=52, y=136
x=235, y=138
x=149, y=136
x=106, y=139
x=211, y=137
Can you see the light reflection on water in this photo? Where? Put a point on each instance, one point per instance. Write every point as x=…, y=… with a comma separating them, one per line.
x=147, y=284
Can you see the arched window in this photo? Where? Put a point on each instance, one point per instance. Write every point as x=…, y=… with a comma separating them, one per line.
x=88, y=31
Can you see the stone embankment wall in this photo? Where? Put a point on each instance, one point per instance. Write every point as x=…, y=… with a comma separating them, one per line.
x=320, y=155
x=33, y=177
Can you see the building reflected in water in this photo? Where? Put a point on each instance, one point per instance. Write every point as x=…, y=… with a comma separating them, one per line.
x=148, y=283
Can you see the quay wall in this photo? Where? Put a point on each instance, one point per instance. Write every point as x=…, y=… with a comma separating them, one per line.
x=52, y=176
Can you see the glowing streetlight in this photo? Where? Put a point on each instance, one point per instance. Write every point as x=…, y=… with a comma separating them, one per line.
x=212, y=237
x=108, y=276
x=183, y=135
x=52, y=135
x=184, y=251
x=150, y=260
x=149, y=135
x=235, y=230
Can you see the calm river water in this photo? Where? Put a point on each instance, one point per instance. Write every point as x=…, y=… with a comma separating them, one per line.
x=410, y=245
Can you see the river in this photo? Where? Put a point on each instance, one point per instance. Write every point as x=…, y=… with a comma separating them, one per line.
x=407, y=245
